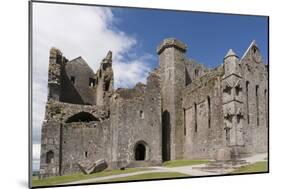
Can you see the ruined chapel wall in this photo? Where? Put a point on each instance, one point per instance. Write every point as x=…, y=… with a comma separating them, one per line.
x=136, y=119
x=76, y=87
x=256, y=105
x=84, y=141
x=209, y=136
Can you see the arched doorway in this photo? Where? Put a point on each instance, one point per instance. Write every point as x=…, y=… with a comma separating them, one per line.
x=140, y=152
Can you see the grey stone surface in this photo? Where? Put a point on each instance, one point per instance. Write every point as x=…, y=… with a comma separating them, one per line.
x=184, y=111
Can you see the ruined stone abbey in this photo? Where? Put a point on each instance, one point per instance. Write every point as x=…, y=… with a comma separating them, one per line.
x=184, y=111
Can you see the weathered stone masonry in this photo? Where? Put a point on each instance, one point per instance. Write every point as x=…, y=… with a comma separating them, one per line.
x=184, y=111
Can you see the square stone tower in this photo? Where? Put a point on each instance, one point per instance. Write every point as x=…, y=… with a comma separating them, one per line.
x=172, y=73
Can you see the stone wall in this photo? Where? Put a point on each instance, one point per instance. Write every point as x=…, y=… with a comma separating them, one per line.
x=255, y=74
x=136, y=119
x=203, y=131
x=76, y=86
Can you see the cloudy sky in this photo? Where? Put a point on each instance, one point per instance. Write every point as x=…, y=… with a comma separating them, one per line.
x=132, y=35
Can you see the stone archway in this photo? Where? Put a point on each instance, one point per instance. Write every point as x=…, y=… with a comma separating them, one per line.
x=140, y=152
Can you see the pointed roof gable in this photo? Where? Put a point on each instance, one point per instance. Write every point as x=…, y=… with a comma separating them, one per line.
x=230, y=53
x=253, y=44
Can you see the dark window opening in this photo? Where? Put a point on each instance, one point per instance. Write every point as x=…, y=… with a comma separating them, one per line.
x=49, y=157
x=227, y=135
x=196, y=72
x=238, y=89
x=254, y=49
x=239, y=117
x=86, y=154
x=187, y=78
x=72, y=79
x=195, y=117
x=184, y=122
x=82, y=117
x=228, y=117
x=91, y=82
x=141, y=114
x=247, y=101
x=227, y=90
x=209, y=112
x=140, y=152
x=166, y=136
x=257, y=105
x=106, y=86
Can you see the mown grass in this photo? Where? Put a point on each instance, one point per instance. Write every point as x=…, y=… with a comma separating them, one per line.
x=80, y=176
x=253, y=168
x=178, y=163
x=148, y=176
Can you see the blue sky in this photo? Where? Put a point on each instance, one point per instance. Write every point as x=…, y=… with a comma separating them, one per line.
x=208, y=36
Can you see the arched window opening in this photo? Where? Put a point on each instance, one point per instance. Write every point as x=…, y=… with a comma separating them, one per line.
x=82, y=117
x=141, y=114
x=91, y=82
x=50, y=157
x=140, y=152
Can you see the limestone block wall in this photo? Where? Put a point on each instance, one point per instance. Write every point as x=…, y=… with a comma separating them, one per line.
x=63, y=136
x=84, y=141
x=203, y=120
x=255, y=98
x=136, y=119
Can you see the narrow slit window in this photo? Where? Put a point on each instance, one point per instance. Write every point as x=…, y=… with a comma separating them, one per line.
x=196, y=72
x=86, y=154
x=195, y=117
x=257, y=105
x=247, y=101
x=184, y=122
x=91, y=82
x=141, y=114
x=209, y=112
x=72, y=79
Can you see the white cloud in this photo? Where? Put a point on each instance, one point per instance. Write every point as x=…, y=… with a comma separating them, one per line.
x=84, y=31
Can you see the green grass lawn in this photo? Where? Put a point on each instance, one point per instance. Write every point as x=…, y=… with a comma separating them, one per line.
x=146, y=176
x=178, y=163
x=80, y=176
x=253, y=168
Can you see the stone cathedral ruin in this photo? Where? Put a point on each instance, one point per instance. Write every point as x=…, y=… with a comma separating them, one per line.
x=184, y=111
